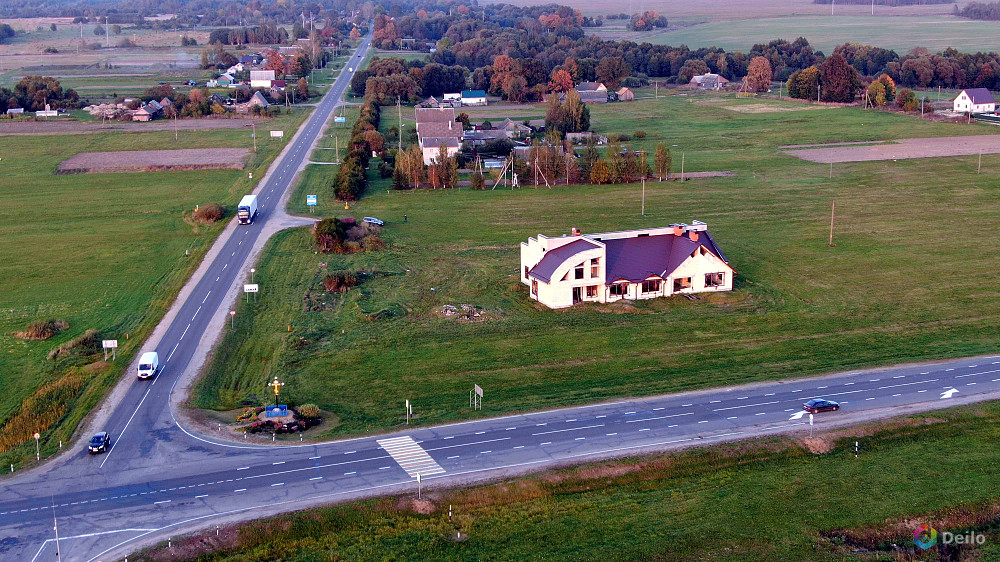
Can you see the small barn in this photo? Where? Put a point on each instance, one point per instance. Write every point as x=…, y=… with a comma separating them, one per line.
x=975, y=100
x=625, y=94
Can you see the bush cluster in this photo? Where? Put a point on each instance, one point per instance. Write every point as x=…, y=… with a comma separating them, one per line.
x=211, y=213
x=42, y=329
x=340, y=281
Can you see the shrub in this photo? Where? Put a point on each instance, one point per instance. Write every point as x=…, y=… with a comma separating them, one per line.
x=87, y=344
x=51, y=50
x=638, y=135
x=42, y=329
x=309, y=411
x=352, y=247
x=372, y=243
x=211, y=213
x=478, y=181
x=340, y=281
x=619, y=138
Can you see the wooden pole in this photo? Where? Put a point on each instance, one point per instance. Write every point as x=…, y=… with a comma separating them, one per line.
x=831, y=170
x=833, y=209
x=399, y=110
x=336, y=148
x=980, y=169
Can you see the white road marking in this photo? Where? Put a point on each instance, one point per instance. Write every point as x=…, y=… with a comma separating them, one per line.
x=185, y=332
x=569, y=429
x=610, y=434
x=316, y=478
x=277, y=463
x=196, y=314
x=278, y=484
x=243, y=468
x=162, y=501
x=201, y=496
x=661, y=417
x=108, y=456
x=171, y=354
x=350, y=473
x=313, y=458
x=206, y=297
x=411, y=457
x=240, y=490
x=703, y=421
x=545, y=443
x=519, y=447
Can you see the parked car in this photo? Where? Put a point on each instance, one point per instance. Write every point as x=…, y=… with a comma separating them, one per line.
x=99, y=443
x=817, y=405
x=373, y=220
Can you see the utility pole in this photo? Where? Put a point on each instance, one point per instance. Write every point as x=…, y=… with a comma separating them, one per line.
x=107, y=33
x=399, y=111
x=682, y=167
x=55, y=527
x=336, y=147
x=833, y=210
x=254, y=125
x=643, y=195
x=980, y=169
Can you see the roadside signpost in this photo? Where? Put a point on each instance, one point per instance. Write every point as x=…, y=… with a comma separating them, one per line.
x=109, y=344
x=250, y=288
x=277, y=134
x=339, y=119
x=476, y=397
x=311, y=201
x=232, y=322
x=38, y=453
x=409, y=412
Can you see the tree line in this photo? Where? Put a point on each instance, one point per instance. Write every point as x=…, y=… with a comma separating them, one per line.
x=34, y=92
x=981, y=11
x=351, y=179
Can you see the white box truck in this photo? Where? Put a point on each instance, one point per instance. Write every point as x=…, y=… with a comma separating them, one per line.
x=149, y=363
x=247, y=211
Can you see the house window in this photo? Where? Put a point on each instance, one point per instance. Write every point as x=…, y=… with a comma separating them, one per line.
x=715, y=279
x=619, y=289
x=525, y=272
x=579, y=271
x=592, y=291
x=651, y=286
x=534, y=288
x=682, y=283
x=595, y=267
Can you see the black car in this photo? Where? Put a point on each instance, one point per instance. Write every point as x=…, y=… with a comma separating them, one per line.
x=820, y=405
x=99, y=443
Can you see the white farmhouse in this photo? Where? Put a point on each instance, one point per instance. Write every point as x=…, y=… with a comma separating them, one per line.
x=975, y=100
x=627, y=265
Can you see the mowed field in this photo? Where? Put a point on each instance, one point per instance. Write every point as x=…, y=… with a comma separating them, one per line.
x=935, y=32
x=100, y=251
x=883, y=294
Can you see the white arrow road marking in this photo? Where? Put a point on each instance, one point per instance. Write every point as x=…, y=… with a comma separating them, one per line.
x=948, y=393
x=798, y=415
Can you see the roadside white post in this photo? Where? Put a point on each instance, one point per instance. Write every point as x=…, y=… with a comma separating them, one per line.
x=38, y=454
x=252, y=271
x=810, y=426
x=408, y=410
x=857, y=445
x=418, y=485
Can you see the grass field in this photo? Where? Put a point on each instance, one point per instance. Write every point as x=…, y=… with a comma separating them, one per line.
x=882, y=295
x=824, y=33
x=682, y=12
x=761, y=500
x=101, y=251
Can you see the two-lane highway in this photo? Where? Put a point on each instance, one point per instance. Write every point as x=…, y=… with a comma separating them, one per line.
x=167, y=499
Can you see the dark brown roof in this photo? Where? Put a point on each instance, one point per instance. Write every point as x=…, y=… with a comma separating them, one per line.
x=434, y=114
x=552, y=259
x=439, y=129
x=638, y=258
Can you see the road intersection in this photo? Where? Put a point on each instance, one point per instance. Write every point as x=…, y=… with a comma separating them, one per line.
x=161, y=479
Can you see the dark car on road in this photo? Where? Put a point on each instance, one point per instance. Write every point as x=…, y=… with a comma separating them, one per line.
x=99, y=443
x=817, y=405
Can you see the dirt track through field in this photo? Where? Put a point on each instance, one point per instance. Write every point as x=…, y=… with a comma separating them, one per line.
x=130, y=161
x=902, y=149
x=75, y=127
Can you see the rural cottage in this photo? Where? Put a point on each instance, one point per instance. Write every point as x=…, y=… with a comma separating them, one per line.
x=629, y=265
x=975, y=100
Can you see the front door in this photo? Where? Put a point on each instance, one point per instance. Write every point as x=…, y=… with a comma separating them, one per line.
x=577, y=294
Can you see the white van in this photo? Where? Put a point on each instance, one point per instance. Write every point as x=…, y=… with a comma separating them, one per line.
x=149, y=364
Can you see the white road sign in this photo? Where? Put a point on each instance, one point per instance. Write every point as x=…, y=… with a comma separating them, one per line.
x=109, y=344
x=278, y=134
x=310, y=200
x=250, y=288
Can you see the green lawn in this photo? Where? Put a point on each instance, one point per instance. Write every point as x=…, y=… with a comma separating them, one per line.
x=935, y=32
x=889, y=291
x=101, y=251
x=767, y=499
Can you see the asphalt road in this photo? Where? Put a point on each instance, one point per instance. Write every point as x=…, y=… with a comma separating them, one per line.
x=159, y=480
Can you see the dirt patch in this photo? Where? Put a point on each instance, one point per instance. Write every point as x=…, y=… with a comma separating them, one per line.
x=27, y=127
x=769, y=108
x=154, y=161
x=42, y=329
x=902, y=149
x=817, y=445
x=422, y=506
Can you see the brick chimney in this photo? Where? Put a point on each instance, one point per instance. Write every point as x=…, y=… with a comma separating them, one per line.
x=575, y=231
x=693, y=234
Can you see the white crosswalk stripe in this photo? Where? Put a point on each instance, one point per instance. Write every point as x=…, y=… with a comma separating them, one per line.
x=410, y=456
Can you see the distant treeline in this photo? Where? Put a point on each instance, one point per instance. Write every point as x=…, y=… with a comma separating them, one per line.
x=267, y=34
x=981, y=11
x=886, y=2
